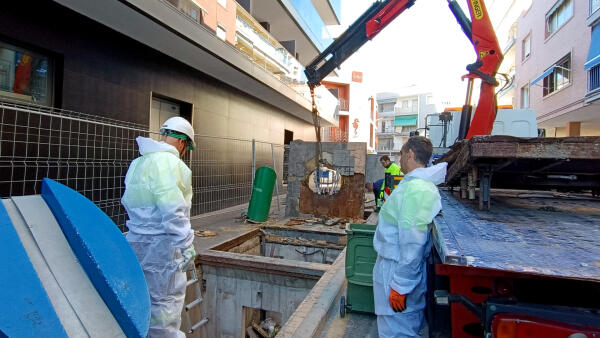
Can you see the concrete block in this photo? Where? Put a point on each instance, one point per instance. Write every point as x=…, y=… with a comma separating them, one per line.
x=341, y=158
x=374, y=170
x=99, y=245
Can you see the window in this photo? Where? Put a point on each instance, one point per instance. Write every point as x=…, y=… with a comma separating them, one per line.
x=558, y=15
x=405, y=104
x=429, y=99
x=526, y=47
x=221, y=32
x=594, y=6
x=25, y=75
x=525, y=96
x=560, y=76
x=222, y=3
x=594, y=78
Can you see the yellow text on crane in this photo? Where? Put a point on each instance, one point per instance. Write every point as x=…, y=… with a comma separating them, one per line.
x=477, y=10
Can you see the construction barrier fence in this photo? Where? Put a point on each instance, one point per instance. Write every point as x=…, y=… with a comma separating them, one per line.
x=91, y=154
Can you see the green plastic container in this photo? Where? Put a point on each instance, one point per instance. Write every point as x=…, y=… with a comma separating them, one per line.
x=360, y=260
x=262, y=194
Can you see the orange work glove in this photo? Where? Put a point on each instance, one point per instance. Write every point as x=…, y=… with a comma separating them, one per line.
x=397, y=301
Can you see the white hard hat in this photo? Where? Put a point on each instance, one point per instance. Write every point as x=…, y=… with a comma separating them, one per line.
x=180, y=125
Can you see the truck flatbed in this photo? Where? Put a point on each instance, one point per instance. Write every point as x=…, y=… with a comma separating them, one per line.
x=538, y=233
x=527, y=163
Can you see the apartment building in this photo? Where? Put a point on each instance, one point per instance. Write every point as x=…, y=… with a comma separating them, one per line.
x=356, y=112
x=80, y=80
x=401, y=116
x=114, y=58
x=557, y=65
x=504, y=15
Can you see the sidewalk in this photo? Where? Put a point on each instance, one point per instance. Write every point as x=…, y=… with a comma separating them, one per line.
x=228, y=223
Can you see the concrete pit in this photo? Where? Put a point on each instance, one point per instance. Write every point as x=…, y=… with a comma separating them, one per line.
x=272, y=272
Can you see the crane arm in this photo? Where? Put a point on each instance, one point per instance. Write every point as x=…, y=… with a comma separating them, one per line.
x=479, y=31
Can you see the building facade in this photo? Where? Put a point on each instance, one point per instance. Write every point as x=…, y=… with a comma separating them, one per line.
x=401, y=116
x=126, y=54
x=356, y=112
x=89, y=76
x=386, y=102
x=504, y=15
x=555, y=70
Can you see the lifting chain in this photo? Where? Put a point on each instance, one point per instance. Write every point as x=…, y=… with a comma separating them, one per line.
x=317, y=125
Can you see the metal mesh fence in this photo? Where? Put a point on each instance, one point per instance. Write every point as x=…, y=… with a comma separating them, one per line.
x=222, y=171
x=91, y=154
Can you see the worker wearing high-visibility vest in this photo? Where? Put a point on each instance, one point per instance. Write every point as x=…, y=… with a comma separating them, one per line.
x=390, y=168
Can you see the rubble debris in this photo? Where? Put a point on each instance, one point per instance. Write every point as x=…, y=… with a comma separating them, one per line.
x=250, y=332
x=270, y=326
x=205, y=233
x=271, y=238
x=333, y=221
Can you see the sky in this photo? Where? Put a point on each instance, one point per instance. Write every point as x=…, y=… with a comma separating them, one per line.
x=422, y=50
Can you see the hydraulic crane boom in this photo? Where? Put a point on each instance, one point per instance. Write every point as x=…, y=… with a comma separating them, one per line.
x=479, y=31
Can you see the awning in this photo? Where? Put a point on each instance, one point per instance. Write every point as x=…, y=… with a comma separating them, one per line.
x=593, y=58
x=407, y=120
x=544, y=74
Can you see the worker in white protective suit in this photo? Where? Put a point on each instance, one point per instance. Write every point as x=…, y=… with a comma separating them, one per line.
x=402, y=241
x=158, y=197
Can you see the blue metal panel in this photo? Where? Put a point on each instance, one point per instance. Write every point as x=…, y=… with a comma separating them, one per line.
x=544, y=74
x=542, y=236
x=593, y=58
x=104, y=254
x=25, y=310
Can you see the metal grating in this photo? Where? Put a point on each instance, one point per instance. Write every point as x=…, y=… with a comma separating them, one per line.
x=91, y=154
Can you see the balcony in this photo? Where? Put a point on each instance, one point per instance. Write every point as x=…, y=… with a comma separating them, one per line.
x=387, y=132
x=329, y=10
x=387, y=113
x=344, y=105
x=260, y=46
x=334, y=134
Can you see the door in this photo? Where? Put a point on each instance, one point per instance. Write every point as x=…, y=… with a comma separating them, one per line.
x=161, y=111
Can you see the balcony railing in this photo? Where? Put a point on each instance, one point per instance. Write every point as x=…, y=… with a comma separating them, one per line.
x=335, y=134
x=594, y=78
x=189, y=8
x=344, y=105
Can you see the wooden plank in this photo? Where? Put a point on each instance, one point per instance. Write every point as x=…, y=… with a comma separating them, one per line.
x=229, y=244
x=460, y=164
x=301, y=242
x=260, y=331
x=536, y=150
x=262, y=264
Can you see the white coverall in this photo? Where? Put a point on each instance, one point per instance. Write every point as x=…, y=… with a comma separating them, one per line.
x=402, y=241
x=158, y=197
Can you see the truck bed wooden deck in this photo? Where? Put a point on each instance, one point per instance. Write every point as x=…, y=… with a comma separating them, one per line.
x=527, y=163
x=539, y=233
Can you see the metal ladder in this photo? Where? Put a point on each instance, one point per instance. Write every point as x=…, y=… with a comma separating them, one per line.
x=196, y=283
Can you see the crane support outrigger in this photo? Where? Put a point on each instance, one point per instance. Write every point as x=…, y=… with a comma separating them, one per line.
x=478, y=29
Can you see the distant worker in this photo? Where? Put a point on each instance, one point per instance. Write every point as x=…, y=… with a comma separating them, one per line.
x=403, y=242
x=158, y=197
x=375, y=187
x=390, y=168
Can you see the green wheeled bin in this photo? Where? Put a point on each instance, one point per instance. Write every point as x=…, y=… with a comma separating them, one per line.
x=262, y=194
x=360, y=260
